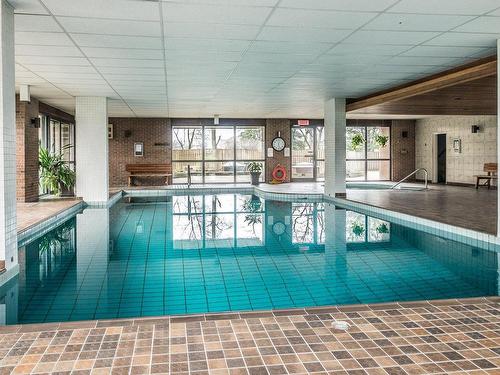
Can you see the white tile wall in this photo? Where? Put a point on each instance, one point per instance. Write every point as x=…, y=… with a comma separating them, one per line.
x=91, y=124
x=498, y=126
x=477, y=149
x=335, y=153
x=8, y=230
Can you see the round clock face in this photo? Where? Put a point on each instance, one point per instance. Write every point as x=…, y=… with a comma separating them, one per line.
x=278, y=144
x=279, y=228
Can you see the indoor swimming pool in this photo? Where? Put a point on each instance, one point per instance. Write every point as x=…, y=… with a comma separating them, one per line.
x=191, y=254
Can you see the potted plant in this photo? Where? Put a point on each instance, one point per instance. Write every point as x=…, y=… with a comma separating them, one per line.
x=55, y=173
x=381, y=140
x=255, y=169
x=356, y=141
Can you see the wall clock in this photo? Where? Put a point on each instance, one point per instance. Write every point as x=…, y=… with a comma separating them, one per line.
x=278, y=143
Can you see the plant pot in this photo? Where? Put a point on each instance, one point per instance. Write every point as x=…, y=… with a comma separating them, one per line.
x=255, y=177
x=65, y=192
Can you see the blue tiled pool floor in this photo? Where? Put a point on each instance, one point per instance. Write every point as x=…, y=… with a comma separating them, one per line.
x=230, y=252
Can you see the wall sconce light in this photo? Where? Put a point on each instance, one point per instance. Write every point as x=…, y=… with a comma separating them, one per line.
x=475, y=129
x=35, y=122
x=127, y=133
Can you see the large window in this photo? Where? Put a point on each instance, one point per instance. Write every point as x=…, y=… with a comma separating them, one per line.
x=216, y=154
x=57, y=136
x=368, y=153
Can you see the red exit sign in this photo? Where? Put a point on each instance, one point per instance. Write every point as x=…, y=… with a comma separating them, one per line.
x=303, y=122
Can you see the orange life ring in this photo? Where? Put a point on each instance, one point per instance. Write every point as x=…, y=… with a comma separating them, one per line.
x=279, y=173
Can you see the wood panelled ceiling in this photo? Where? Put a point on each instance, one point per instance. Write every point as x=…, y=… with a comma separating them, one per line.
x=461, y=91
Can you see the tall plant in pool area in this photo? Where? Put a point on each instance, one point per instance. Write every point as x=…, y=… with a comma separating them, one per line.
x=55, y=172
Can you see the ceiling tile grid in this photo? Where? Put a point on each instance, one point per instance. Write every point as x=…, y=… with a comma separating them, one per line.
x=240, y=58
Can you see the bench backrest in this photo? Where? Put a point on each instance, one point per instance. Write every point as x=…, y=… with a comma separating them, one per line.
x=490, y=167
x=149, y=168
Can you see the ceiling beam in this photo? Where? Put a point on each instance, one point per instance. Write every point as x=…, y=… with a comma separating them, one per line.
x=479, y=69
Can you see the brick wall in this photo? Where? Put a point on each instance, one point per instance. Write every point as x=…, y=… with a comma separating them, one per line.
x=272, y=128
x=26, y=151
x=156, y=135
x=402, y=149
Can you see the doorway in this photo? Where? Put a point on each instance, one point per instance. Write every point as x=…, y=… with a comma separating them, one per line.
x=308, y=153
x=441, y=158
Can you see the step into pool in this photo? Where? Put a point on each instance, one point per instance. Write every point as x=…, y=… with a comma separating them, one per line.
x=190, y=254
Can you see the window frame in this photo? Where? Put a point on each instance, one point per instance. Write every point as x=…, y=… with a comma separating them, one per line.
x=45, y=136
x=204, y=161
x=365, y=160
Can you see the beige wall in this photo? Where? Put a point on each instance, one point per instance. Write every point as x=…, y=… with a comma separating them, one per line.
x=477, y=149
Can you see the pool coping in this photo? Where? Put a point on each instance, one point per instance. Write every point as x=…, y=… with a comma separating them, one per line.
x=31, y=232
x=244, y=314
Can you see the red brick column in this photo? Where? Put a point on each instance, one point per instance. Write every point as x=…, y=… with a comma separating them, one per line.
x=26, y=151
x=273, y=126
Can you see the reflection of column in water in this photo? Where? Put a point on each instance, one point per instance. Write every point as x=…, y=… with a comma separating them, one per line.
x=9, y=296
x=278, y=219
x=335, y=242
x=92, y=251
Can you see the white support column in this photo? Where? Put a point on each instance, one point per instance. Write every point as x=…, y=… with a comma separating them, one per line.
x=91, y=123
x=498, y=132
x=335, y=143
x=8, y=230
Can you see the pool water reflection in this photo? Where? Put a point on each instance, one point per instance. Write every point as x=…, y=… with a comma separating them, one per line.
x=229, y=252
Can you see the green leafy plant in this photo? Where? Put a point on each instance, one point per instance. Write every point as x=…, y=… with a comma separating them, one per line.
x=254, y=167
x=357, y=141
x=382, y=228
x=357, y=229
x=381, y=140
x=55, y=172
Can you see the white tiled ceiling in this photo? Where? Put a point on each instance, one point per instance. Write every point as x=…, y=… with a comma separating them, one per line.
x=240, y=58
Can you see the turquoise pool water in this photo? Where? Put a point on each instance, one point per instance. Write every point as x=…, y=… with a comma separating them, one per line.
x=229, y=252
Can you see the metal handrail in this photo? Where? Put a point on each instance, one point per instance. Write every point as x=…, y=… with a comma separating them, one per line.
x=426, y=174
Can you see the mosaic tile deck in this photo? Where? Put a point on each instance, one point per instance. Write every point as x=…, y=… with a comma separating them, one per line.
x=440, y=337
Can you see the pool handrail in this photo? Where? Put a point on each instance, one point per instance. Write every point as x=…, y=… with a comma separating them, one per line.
x=426, y=179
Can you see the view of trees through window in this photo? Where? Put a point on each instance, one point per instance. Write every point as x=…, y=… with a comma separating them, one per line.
x=216, y=154
x=308, y=153
x=368, y=153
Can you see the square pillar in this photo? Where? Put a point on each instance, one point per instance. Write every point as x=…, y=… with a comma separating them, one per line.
x=91, y=127
x=335, y=143
x=498, y=133
x=8, y=230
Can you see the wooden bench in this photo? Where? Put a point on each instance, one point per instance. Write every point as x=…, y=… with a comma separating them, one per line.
x=149, y=170
x=491, y=169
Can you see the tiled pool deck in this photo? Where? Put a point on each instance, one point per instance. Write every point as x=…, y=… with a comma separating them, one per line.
x=441, y=337
x=31, y=214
